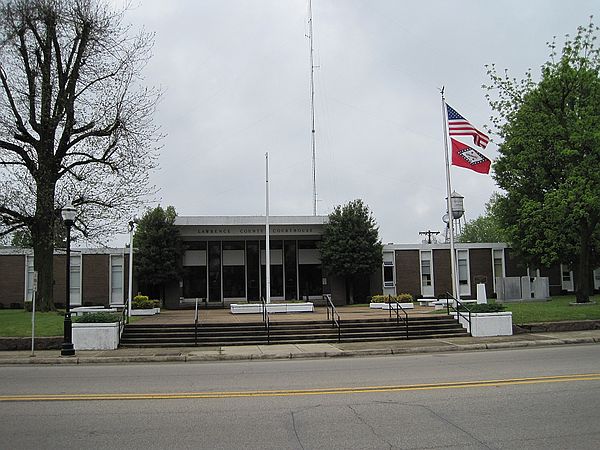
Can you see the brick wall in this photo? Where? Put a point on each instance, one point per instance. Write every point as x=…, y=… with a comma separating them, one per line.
x=480, y=265
x=12, y=279
x=442, y=278
x=95, y=281
x=60, y=268
x=408, y=272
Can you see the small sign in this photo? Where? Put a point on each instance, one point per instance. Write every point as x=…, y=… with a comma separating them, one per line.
x=35, y=281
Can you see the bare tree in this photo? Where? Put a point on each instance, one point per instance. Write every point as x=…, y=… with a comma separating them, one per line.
x=75, y=121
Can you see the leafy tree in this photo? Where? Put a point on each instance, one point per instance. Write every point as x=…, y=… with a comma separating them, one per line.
x=350, y=246
x=485, y=228
x=75, y=123
x=158, y=255
x=550, y=158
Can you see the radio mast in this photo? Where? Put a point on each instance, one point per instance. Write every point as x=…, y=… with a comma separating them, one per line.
x=312, y=107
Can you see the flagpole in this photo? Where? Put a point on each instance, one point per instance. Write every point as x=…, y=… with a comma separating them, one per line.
x=455, y=290
x=267, y=237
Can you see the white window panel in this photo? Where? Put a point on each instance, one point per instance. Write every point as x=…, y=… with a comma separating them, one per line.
x=194, y=258
x=309, y=256
x=233, y=257
x=116, y=280
x=276, y=256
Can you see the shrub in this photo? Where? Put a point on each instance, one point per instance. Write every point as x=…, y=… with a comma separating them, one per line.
x=143, y=302
x=98, y=317
x=402, y=298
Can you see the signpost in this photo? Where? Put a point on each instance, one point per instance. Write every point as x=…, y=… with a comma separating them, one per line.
x=33, y=292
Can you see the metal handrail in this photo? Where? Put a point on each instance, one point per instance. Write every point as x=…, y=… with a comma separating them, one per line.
x=457, y=308
x=196, y=317
x=335, y=317
x=266, y=320
x=124, y=320
x=398, y=308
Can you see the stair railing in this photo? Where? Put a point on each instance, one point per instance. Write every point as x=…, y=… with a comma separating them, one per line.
x=196, y=320
x=266, y=320
x=394, y=304
x=460, y=309
x=335, y=317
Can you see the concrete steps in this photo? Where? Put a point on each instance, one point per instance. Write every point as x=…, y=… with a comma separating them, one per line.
x=182, y=335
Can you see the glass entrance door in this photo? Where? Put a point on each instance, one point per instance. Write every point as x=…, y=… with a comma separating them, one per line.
x=214, y=272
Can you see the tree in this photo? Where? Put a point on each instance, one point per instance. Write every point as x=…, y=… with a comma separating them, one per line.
x=158, y=256
x=550, y=156
x=485, y=228
x=350, y=246
x=75, y=122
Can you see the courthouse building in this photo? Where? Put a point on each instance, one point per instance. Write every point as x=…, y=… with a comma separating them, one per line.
x=224, y=262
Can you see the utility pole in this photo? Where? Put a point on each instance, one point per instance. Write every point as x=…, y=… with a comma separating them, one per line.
x=429, y=233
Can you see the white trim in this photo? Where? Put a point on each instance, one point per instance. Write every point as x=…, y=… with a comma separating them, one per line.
x=495, y=275
x=121, y=300
x=566, y=285
x=430, y=289
x=71, y=278
x=464, y=289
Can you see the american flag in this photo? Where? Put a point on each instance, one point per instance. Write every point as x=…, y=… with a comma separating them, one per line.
x=459, y=126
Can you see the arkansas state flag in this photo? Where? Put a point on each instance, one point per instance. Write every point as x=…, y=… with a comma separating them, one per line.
x=465, y=156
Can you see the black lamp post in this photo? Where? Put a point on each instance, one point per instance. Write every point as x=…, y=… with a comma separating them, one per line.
x=67, y=349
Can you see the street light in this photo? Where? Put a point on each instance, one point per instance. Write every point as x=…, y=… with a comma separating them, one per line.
x=132, y=223
x=68, y=215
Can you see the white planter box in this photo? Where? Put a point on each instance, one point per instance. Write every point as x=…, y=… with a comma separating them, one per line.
x=95, y=336
x=376, y=305
x=388, y=306
x=488, y=324
x=145, y=312
x=257, y=308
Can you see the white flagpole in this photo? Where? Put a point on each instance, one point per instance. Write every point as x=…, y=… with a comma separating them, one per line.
x=267, y=243
x=455, y=290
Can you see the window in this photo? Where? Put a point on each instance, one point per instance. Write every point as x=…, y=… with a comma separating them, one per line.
x=566, y=278
x=75, y=280
x=116, y=280
x=426, y=269
x=388, y=275
x=388, y=269
x=498, y=263
x=234, y=270
x=464, y=282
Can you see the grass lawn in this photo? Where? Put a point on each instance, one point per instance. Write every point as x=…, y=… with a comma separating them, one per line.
x=555, y=310
x=17, y=323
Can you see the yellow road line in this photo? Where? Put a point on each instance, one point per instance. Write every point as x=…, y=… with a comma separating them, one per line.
x=299, y=392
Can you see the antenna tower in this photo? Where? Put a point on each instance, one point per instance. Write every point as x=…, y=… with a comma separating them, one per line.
x=312, y=107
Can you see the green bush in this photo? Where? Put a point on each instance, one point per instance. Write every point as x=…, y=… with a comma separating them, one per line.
x=402, y=298
x=97, y=317
x=143, y=302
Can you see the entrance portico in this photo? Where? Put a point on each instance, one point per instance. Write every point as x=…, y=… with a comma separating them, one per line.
x=224, y=258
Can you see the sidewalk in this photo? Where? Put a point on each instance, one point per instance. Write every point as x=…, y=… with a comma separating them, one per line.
x=292, y=351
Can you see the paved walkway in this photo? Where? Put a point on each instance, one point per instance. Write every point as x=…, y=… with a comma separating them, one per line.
x=220, y=315
x=291, y=351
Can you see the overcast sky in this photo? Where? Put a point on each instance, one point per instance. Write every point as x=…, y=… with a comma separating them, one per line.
x=235, y=75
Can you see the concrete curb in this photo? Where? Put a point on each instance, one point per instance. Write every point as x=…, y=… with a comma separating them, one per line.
x=184, y=358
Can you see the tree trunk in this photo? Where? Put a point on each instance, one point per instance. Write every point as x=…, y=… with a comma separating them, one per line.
x=583, y=282
x=42, y=233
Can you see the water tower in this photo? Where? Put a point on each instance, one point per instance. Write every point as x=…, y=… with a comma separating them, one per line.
x=458, y=212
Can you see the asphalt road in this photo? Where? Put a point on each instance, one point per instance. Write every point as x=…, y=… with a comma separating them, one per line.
x=528, y=398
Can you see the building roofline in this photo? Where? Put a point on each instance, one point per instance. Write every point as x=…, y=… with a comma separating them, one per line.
x=249, y=220
x=459, y=246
